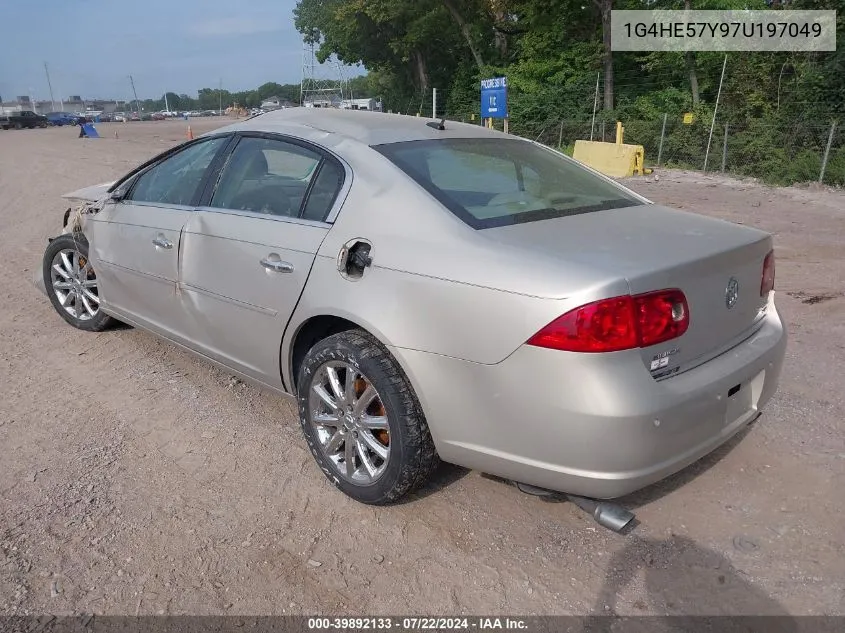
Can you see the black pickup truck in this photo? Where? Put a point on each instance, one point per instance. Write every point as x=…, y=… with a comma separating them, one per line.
x=25, y=118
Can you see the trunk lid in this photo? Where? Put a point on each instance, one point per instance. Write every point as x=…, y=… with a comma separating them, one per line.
x=655, y=248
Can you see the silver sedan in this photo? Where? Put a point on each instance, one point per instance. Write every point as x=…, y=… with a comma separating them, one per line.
x=430, y=290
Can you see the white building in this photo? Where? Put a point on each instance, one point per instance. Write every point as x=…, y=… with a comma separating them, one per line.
x=361, y=104
x=274, y=103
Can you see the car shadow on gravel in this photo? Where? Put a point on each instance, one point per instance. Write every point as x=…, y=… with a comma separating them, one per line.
x=691, y=586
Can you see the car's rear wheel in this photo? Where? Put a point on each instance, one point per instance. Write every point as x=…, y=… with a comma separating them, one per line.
x=71, y=283
x=362, y=420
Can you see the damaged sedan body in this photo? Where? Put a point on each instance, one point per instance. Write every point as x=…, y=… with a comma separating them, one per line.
x=432, y=292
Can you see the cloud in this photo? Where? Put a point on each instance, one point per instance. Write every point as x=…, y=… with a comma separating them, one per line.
x=235, y=26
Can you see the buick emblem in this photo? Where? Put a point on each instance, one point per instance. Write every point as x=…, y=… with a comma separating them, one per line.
x=731, y=293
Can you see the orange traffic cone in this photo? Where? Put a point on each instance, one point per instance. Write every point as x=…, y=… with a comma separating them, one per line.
x=115, y=133
x=190, y=134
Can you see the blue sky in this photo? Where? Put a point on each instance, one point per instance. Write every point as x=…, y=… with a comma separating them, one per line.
x=91, y=46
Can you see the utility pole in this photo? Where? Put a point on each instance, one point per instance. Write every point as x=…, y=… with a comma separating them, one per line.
x=220, y=97
x=137, y=105
x=595, y=105
x=715, y=109
x=50, y=86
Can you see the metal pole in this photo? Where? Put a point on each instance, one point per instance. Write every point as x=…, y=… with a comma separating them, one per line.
x=780, y=76
x=50, y=86
x=220, y=97
x=725, y=148
x=715, y=109
x=560, y=135
x=827, y=151
x=137, y=105
x=662, y=134
x=595, y=105
x=434, y=103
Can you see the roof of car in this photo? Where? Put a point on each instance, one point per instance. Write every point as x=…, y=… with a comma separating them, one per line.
x=371, y=128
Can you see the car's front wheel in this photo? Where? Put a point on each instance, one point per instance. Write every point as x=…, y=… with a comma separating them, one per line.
x=362, y=420
x=71, y=283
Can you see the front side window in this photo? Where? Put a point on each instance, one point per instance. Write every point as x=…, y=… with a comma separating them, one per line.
x=266, y=176
x=490, y=182
x=175, y=179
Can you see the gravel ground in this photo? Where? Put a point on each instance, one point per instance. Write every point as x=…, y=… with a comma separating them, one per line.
x=135, y=479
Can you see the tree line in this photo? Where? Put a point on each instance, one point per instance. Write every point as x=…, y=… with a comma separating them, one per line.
x=213, y=98
x=557, y=58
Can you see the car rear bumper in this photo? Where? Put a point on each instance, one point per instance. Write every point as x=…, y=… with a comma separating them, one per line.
x=596, y=425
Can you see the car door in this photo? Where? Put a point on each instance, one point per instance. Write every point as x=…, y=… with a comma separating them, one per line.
x=135, y=239
x=248, y=252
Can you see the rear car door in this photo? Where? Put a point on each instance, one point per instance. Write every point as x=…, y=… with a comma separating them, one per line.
x=247, y=253
x=135, y=239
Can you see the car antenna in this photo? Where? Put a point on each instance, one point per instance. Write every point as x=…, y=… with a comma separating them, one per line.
x=437, y=125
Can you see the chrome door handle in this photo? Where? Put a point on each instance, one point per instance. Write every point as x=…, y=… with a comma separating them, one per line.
x=277, y=266
x=162, y=242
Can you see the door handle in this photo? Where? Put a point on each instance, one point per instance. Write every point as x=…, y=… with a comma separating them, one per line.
x=277, y=266
x=162, y=242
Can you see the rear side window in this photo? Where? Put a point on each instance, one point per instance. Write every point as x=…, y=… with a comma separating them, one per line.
x=490, y=182
x=266, y=176
x=323, y=192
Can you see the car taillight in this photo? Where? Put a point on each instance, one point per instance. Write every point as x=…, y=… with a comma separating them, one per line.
x=612, y=325
x=768, y=282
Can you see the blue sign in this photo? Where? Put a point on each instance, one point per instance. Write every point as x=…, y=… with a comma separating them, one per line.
x=494, y=98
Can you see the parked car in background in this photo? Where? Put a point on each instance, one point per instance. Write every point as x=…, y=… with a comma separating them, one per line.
x=134, y=117
x=62, y=118
x=158, y=116
x=119, y=117
x=23, y=119
x=523, y=315
x=104, y=118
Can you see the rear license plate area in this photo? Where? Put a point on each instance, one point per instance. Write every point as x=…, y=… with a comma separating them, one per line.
x=743, y=397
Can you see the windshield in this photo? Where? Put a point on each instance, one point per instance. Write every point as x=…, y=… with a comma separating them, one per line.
x=490, y=182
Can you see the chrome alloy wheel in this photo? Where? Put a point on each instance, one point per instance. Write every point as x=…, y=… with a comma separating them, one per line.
x=350, y=422
x=75, y=284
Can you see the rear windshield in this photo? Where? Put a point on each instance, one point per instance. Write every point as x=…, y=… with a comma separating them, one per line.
x=490, y=182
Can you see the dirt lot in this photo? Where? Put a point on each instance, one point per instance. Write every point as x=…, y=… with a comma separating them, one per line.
x=135, y=479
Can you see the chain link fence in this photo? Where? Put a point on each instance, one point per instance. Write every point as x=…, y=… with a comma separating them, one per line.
x=772, y=151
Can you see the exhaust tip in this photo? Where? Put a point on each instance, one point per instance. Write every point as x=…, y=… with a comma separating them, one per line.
x=612, y=516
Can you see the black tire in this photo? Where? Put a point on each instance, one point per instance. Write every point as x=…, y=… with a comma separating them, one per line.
x=413, y=457
x=18, y=126
x=77, y=243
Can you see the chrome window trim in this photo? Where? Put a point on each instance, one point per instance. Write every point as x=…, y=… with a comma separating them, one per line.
x=265, y=216
x=159, y=205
